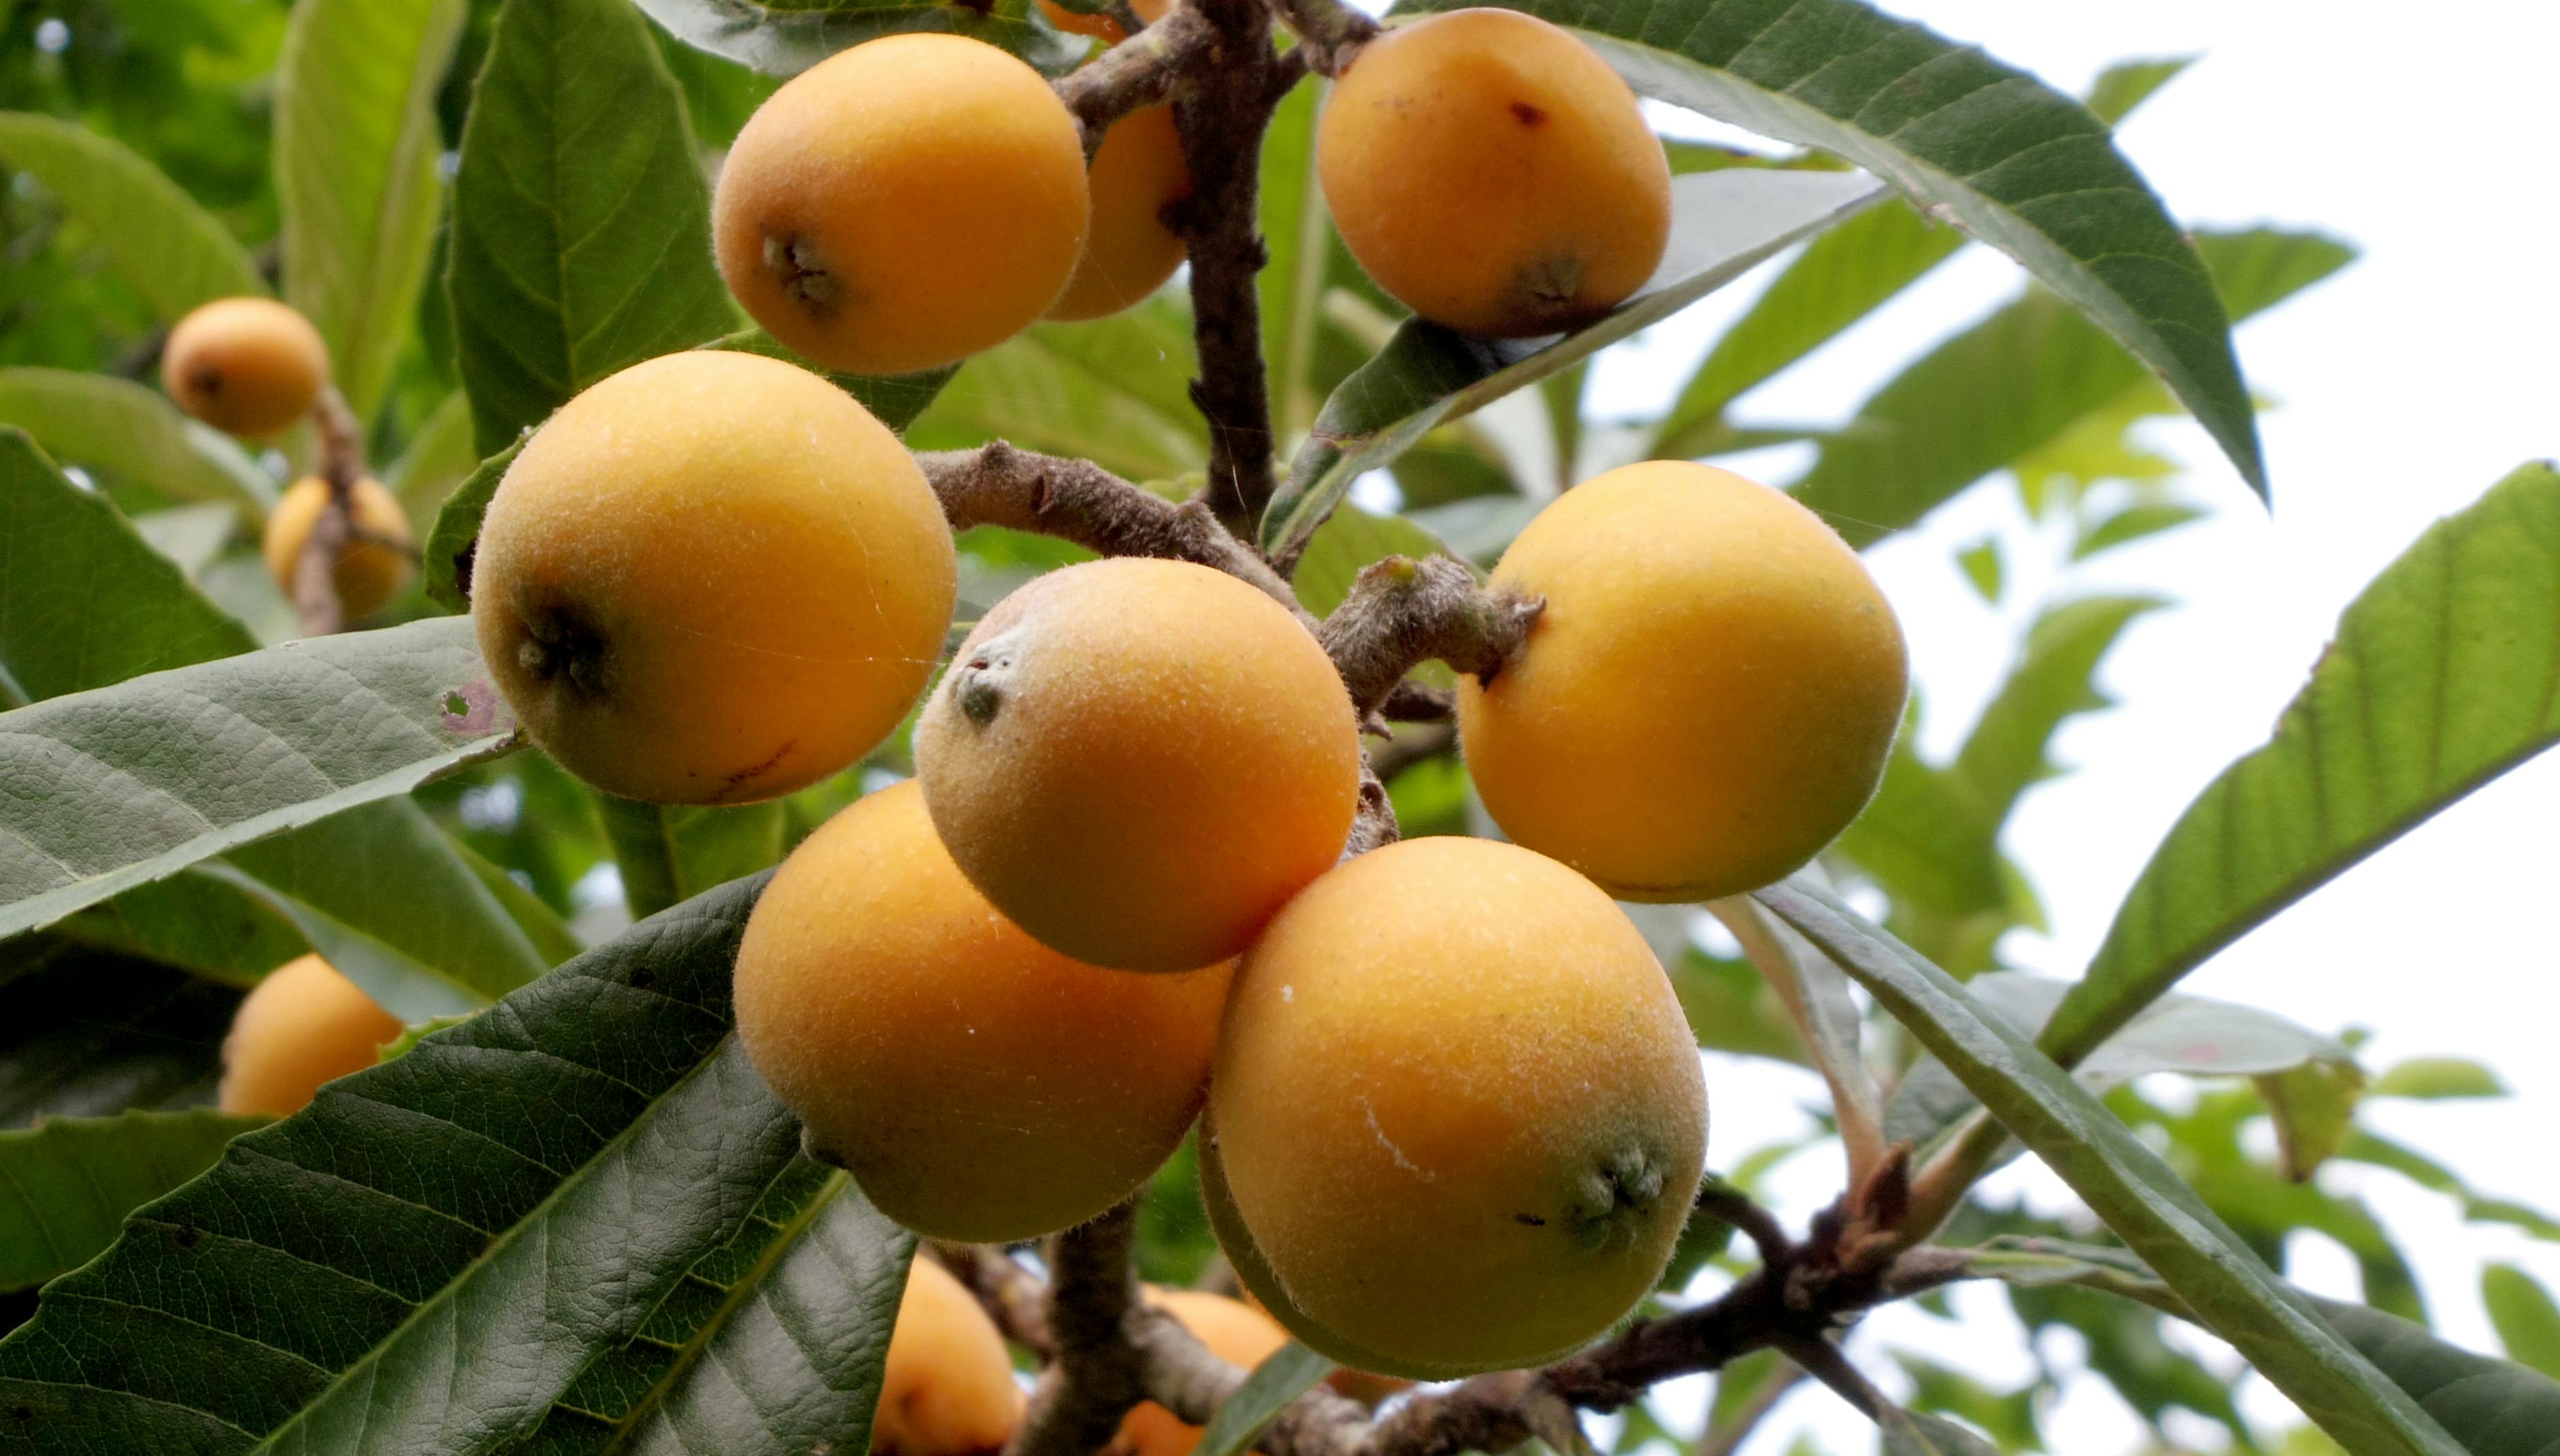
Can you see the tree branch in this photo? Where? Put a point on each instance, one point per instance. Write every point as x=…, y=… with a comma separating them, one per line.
x=1403, y=613
x=316, y=608
x=1222, y=112
x=1079, y=501
x=1139, y=72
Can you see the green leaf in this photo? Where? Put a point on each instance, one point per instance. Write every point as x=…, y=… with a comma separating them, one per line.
x=194, y=922
x=87, y=1032
x=2013, y=382
x=442, y=1248
x=1115, y=390
x=1349, y=541
x=356, y=145
x=1915, y=1433
x=2313, y=1108
x=673, y=852
x=66, y=1184
x=1723, y=224
x=551, y=935
x=2006, y=753
x=788, y=37
x=2439, y=1078
x=456, y=536
x=895, y=400
x=2131, y=523
x=85, y=602
x=1731, y=1008
x=2125, y=1184
x=2527, y=1321
x=2445, y=673
x=437, y=458
x=2364, y=1147
x=385, y=897
x=1989, y=148
x=2128, y=83
x=107, y=789
x=131, y=431
x=161, y=244
x=1845, y=275
x=1298, y=233
x=1285, y=1374
x=573, y=259
x=2493, y=1407
x=760, y=1352
x=1982, y=565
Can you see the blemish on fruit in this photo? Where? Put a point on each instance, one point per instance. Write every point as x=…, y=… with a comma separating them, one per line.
x=1528, y=115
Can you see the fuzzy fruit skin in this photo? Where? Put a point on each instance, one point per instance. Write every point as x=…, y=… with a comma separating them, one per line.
x=1233, y=1331
x=1708, y=697
x=1164, y=757
x=902, y=205
x=980, y=1086
x=1504, y=131
x=1102, y=26
x=302, y=1026
x=1358, y=1378
x=713, y=577
x=947, y=1388
x=368, y=572
x=1137, y=173
x=1458, y=1107
x=245, y=366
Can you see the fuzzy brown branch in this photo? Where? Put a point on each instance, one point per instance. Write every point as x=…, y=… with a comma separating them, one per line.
x=1139, y=72
x=1012, y=1296
x=1221, y=111
x=1412, y=744
x=1079, y=501
x=1403, y=613
x=316, y=608
x=1329, y=33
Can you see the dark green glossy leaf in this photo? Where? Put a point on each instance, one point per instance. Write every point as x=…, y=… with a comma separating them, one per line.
x=519, y=1197
x=2493, y=1407
x=83, y=602
x=439, y=457
x=2017, y=380
x=2445, y=673
x=1298, y=233
x=1287, y=1373
x=772, y=1346
x=2125, y=1184
x=673, y=852
x=89, y=1034
x=166, y=248
x=2017, y=164
x=894, y=399
x=107, y=789
x=1723, y=224
x=356, y=146
x=787, y=37
x=573, y=259
x=194, y=921
x=66, y=1184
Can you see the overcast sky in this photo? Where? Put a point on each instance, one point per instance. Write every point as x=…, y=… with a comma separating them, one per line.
x=2405, y=387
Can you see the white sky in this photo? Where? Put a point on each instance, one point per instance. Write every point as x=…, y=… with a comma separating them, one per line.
x=2407, y=385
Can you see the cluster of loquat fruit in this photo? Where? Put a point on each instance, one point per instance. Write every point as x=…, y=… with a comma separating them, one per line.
x=1451, y=1115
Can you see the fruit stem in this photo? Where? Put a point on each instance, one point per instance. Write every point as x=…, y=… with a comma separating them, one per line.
x=1402, y=613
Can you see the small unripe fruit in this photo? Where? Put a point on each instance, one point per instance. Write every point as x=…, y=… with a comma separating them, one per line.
x=1233, y=1331
x=1102, y=26
x=1492, y=174
x=902, y=204
x=979, y=1086
x=304, y=1025
x=710, y=578
x=1137, y=173
x=947, y=1388
x=1140, y=761
x=249, y=366
x=1458, y=1108
x=372, y=567
x=1707, y=699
